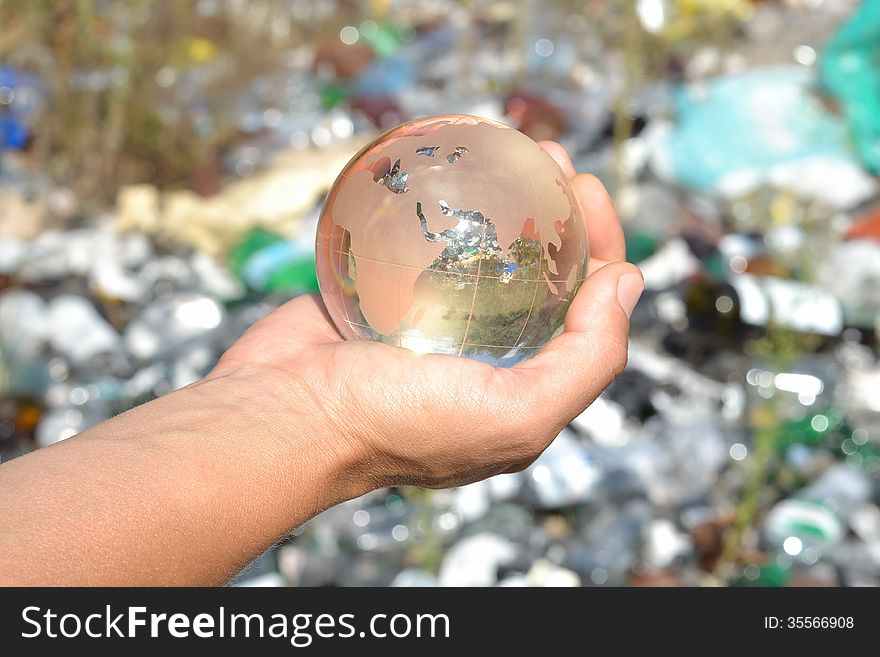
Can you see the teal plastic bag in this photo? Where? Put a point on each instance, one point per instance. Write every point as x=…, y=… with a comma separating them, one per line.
x=747, y=125
x=850, y=70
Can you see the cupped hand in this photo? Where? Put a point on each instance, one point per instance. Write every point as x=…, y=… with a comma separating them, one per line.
x=435, y=420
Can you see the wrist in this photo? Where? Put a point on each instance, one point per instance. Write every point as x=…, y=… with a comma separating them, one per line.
x=285, y=432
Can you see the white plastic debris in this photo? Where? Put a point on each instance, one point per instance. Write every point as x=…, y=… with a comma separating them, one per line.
x=474, y=560
x=78, y=331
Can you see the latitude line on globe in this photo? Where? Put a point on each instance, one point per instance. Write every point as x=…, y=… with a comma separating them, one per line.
x=450, y=273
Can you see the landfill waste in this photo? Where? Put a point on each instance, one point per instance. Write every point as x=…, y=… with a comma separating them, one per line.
x=739, y=141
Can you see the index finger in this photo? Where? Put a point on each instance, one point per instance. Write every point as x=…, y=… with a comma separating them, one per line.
x=603, y=226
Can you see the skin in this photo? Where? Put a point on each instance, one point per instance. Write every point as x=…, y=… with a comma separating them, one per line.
x=187, y=489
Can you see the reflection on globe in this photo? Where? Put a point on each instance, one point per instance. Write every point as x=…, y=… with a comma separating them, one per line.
x=454, y=235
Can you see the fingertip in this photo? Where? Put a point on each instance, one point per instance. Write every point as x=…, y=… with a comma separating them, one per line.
x=607, y=296
x=629, y=289
x=591, y=190
x=559, y=154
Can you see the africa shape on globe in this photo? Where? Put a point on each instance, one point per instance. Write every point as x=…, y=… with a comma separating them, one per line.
x=454, y=235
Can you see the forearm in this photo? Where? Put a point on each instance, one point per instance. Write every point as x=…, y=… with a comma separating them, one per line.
x=184, y=490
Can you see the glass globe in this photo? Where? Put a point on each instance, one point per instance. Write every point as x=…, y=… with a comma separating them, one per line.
x=453, y=235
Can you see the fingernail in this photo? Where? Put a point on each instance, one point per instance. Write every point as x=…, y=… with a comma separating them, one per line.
x=629, y=289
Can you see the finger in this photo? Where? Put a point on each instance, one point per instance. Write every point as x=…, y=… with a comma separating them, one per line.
x=570, y=372
x=603, y=227
x=558, y=153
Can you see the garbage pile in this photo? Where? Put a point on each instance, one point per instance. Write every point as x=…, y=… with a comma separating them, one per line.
x=741, y=446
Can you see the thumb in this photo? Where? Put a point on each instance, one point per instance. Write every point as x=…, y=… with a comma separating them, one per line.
x=570, y=372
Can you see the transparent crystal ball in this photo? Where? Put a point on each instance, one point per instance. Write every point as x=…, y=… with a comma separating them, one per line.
x=454, y=235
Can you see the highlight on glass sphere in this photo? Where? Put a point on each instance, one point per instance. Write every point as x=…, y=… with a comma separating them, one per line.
x=453, y=235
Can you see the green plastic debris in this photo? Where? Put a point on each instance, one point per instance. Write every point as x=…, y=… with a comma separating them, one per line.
x=267, y=262
x=332, y=94
x=640, y=245
x=384, y=39
x=773, y=575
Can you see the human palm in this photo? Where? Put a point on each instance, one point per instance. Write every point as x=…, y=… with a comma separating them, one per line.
x=436, y=420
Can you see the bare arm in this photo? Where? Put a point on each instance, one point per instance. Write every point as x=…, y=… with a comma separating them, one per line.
x=184, y=490
x=189, y=488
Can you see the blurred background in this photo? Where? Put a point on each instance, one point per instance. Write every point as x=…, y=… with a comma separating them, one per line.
x=163, y=164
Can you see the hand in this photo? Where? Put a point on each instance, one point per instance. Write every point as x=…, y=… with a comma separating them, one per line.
x=436, y=420
x=190, y=487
